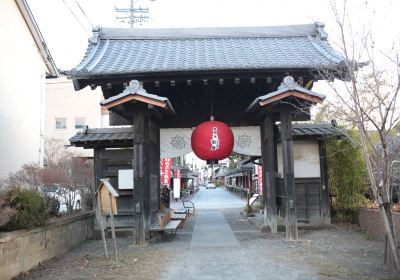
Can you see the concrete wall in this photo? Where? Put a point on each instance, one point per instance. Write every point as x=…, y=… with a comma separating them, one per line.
x=306, y=159
x=22, y=250
x=22, y=75
x=62, y=101
x=370, y=221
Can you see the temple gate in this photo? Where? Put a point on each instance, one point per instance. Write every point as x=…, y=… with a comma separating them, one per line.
x=155, y=79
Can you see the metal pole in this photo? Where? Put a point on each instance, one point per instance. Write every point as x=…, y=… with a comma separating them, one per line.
x=132, y=16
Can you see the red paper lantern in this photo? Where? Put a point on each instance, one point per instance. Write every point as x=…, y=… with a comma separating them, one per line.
x=212, y=141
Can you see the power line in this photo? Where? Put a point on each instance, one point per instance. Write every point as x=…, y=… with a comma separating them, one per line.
x=83, y=12
x=132, y=15
x=76, y=17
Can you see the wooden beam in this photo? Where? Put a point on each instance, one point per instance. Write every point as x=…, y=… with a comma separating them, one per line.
x=286, y=94
x=151, y=101
x=288, y=173
x=141, y=98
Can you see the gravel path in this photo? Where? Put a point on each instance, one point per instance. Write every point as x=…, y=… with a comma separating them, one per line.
x=340, y=252
x=220, y=243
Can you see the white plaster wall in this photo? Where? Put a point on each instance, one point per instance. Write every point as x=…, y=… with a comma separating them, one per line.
x=306, y=159
x=62, y=101
x=22, y=74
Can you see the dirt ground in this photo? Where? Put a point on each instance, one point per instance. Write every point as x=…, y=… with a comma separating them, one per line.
x=337, y=252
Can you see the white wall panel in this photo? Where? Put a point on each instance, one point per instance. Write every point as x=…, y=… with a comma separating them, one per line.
x=306, y=159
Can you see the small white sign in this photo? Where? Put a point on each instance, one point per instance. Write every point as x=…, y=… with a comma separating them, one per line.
x=177, y=187
x=125, y=179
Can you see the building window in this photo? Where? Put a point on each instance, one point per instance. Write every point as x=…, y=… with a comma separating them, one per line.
x=80, y=123
x=61, y=123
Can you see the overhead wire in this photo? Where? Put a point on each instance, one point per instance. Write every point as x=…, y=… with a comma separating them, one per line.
x=77, y=19
x=83, y=12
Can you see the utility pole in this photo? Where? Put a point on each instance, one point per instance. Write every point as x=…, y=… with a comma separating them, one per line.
x=132, y=15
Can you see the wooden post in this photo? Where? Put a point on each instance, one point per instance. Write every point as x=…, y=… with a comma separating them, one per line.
x=269, y=178
x=325, y=202
x=288, y=173
x=97, y=164
x=112, y=225
x=141, y=170
x=99, y=215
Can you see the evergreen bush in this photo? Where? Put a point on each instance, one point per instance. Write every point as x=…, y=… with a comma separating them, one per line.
x=30, y=206
x=347, y=178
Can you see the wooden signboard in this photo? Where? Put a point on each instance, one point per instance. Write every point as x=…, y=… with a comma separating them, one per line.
x=107, y=205
x=104, y=200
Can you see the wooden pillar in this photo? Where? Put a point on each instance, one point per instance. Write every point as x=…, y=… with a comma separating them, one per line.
x=97, y=167
x=325, y=202
x=269, y=178
x=288, y=173
x=251, y=187
x=141, y=197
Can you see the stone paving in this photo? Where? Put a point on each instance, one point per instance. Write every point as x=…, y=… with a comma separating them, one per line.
x=220, y=243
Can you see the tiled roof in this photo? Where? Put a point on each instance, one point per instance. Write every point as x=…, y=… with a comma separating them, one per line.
x=139, y=51
x=240, y=170
x=94, y=136
x=314, y=130
x=135, y=88
x=124, y=136
x=288, y=84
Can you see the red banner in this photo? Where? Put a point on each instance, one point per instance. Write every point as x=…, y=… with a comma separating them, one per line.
x=260, y=179
x=177, y=173
x=165, y=169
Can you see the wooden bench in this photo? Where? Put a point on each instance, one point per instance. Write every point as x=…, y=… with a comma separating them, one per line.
x=167, y=222
x=187, y=205
x=178, y=216
x=172, y=226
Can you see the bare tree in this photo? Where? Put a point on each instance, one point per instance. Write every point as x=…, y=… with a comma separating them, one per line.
x=29, y=176
x=70, y=175
x=70, y=172
x=54, y=151
x=369, y=97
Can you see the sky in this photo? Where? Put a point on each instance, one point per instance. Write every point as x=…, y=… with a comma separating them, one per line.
x=66, y=24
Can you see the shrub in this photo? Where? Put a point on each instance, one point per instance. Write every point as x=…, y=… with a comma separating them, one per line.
x=30, y=206
x=346, y=173
x=52, y=205
x=6, y=214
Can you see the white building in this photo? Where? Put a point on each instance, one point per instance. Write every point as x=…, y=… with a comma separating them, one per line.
x=68, y=111
x=25, y=64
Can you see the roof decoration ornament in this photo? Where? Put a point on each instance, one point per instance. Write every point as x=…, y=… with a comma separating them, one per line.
x=94, y=40
x=319, y=26
x=289, y=83
x=135, y=87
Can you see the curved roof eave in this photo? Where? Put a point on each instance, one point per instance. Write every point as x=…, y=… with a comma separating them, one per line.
x=136, y=56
